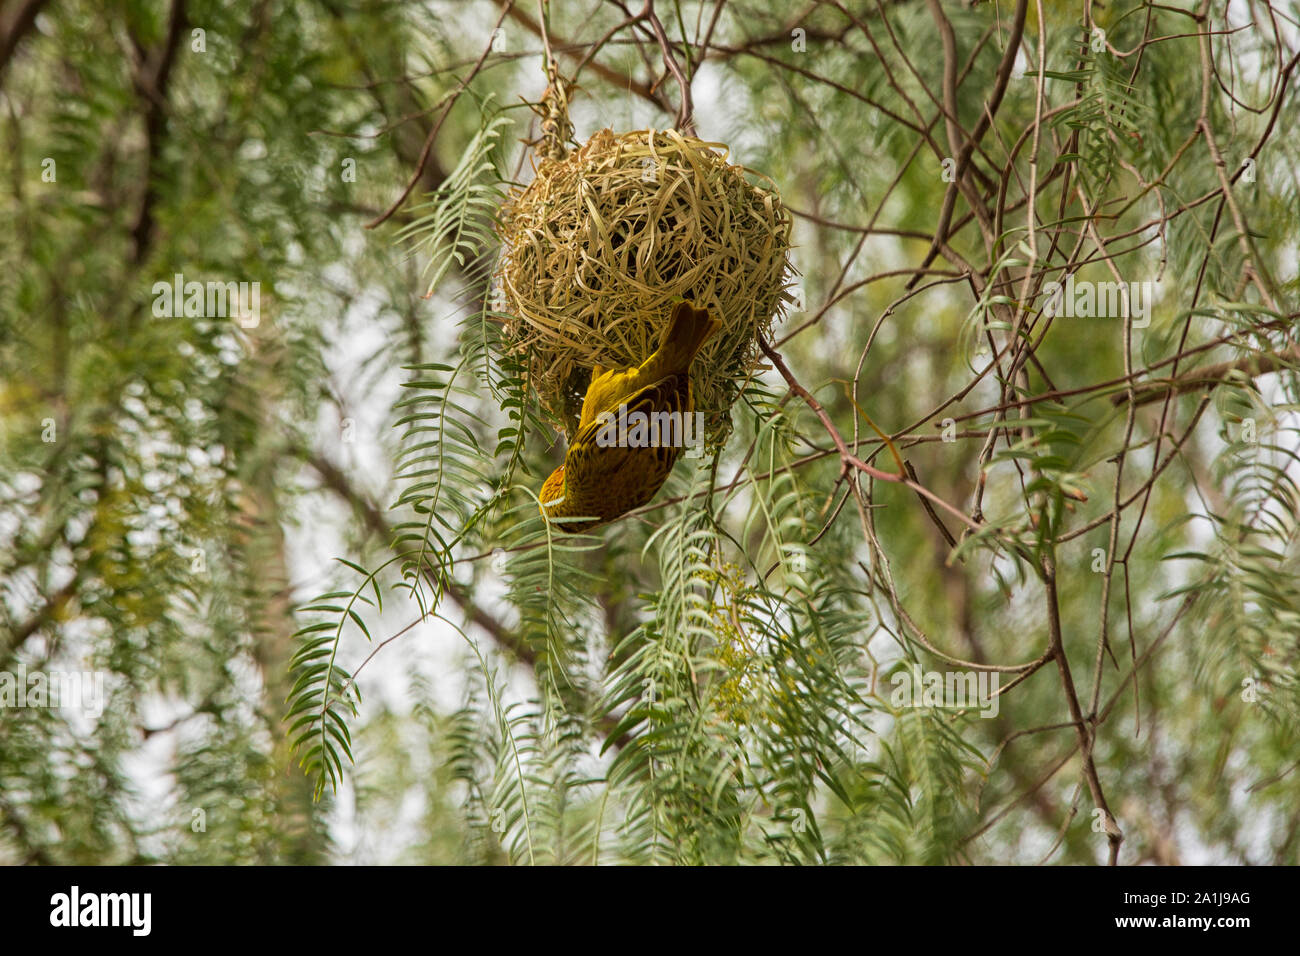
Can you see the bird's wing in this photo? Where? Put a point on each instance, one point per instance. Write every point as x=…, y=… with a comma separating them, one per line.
x=687, y=330
x=587, y=457
x=608, y=390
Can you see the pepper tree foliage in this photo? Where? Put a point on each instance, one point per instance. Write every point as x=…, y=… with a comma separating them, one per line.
x=1100, y=511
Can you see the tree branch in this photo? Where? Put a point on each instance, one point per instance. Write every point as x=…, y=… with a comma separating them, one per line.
x=151, y=80
x=14, y=28
x=373, y=518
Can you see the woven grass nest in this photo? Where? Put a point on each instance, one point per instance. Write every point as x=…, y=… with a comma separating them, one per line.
x=601, y=244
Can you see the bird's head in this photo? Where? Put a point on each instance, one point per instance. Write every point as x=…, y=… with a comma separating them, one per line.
x=553, y=489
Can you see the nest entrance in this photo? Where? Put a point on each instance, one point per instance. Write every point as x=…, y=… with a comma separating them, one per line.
x=601, y=244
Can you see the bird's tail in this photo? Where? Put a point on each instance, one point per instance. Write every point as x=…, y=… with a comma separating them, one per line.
x=687, y=331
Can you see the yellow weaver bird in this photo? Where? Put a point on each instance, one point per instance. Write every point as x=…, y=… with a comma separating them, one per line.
x=603, y=478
